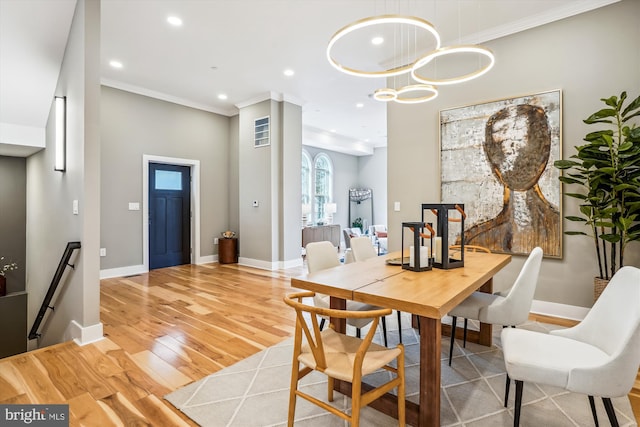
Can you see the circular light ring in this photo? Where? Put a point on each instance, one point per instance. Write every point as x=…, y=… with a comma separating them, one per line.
x=377, y=20
x=385, y=95
x=432, y=94
x=448, y=51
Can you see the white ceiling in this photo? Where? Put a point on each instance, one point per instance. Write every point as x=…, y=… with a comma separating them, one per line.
x=240, y=48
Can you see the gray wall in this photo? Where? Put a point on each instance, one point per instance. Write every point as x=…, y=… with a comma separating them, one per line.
x=255, y=184
x=133, y=125
x=234, y=173
x=588, y=57
x=50, y=221
x=13, y=218
x=290, y=208
x=271, y=176
x=372, y=173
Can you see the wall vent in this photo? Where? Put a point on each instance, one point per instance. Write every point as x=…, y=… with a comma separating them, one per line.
x=261, y=129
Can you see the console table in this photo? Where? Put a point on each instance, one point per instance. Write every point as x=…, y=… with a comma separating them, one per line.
x=321, y=233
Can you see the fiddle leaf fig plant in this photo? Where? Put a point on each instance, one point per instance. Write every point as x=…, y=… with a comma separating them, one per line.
x=606, y=170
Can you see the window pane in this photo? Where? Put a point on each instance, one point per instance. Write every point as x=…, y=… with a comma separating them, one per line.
x=168, y=180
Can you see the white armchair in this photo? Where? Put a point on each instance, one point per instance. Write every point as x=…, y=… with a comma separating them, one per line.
x=598, y=357
x=378, y=235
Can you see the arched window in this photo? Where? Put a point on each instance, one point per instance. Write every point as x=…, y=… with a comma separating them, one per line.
x=306, y=187
x=323, y=185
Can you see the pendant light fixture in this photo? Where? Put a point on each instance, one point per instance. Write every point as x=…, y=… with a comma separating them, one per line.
x=423, y=88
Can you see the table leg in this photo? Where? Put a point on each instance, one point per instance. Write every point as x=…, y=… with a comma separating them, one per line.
x=340, y=325
x=430, y=372
x=484, y=335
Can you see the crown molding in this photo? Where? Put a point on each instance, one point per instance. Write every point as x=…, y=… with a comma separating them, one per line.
x=166, y=97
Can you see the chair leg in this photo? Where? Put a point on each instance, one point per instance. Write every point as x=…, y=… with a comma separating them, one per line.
x=507, y=385
x=464, y=335
x=358, y=332
x=384, y=330
x=399, y=325
x=322, y=321
x=516, y=415
x=453, y=337
x=592, y=403
x=611, y=413
x=292, y=393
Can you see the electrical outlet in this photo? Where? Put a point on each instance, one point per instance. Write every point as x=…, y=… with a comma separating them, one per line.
x=396, y=206
x=103, y=251
x=215, y=240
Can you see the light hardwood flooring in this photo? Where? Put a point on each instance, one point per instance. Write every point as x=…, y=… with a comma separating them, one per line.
x=162, y=330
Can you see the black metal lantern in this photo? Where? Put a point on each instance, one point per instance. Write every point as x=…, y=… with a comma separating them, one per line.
x=445, y=215
x=419, y=256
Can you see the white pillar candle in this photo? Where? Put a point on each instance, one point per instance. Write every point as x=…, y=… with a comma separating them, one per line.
x=424, y=256
x=438, y=249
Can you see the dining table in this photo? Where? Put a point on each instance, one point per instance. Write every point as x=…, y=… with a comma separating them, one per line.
x=428, y=295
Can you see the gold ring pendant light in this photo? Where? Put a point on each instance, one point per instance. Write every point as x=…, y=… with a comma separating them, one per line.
x=426, y=89
x=450, y=51
x=370, y=22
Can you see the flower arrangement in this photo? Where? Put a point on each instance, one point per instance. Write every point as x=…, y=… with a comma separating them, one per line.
x=228, y=234
x=7, y=267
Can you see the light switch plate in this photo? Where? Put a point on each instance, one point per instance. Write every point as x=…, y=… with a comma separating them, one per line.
x=76, y=209
x=396, y=206
x=134, y=206
x=103, y=251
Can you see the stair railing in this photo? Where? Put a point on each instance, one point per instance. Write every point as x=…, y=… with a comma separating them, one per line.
x=62, y=265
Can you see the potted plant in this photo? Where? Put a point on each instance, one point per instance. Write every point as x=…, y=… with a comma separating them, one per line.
x=607, y=171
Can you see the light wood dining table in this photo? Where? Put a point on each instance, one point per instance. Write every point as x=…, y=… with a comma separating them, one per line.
x=429, y=295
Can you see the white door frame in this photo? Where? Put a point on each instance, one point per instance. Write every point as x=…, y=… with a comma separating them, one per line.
x=194, y=203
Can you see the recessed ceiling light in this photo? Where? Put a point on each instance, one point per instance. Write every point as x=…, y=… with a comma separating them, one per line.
x=377, y=40
x=289, y=72
x=359, y=105
x=333, y=131
x=222, y=96
x=174, y=20
x=115, y=64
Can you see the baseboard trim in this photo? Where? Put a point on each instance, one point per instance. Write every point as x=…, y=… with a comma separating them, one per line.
x=258, y=263
x=83, y=335
x=207, y=259
x=266, y=265
x=130, y=270
x=562, y=311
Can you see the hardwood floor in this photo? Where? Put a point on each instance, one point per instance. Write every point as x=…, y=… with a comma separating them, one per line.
x=162, y=330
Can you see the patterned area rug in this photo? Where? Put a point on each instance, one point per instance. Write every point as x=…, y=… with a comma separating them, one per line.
x=254, y=392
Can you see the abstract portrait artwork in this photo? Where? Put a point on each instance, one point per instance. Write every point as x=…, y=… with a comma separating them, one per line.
x=497, y=158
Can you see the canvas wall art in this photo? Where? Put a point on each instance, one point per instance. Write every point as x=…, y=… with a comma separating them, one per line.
x=497, y=158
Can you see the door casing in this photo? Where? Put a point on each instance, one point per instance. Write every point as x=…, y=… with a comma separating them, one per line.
x=195, y=203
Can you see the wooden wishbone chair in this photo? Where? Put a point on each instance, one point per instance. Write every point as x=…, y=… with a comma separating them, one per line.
x=341, y=357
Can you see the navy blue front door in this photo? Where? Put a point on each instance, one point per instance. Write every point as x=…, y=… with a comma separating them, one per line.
x=169, y=215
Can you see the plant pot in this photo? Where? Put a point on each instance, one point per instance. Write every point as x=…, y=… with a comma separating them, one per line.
x=598, y=286
x=3, y=286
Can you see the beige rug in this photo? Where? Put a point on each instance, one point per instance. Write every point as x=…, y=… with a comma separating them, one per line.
x=254, y=392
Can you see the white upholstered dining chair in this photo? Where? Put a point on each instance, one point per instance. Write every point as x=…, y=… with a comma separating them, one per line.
x=598, y=357
x=510, y=309
x=323, y=255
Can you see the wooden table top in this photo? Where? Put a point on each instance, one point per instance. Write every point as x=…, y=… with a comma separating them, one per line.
x=428, y=293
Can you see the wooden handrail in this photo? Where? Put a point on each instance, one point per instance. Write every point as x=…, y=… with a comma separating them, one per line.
x=62, y=265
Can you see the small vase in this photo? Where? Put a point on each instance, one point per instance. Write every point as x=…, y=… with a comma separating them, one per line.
x=3, y=286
